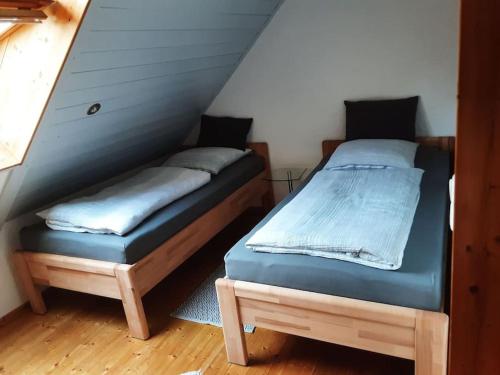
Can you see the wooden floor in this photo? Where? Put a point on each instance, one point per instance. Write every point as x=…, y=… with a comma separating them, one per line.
x=84, y=334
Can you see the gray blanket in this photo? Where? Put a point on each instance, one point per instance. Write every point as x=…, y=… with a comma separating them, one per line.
x=360, y=216
x=120, y=208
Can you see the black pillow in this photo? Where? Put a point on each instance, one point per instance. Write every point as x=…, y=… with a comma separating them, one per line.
x=224, y=132
x=381, y=119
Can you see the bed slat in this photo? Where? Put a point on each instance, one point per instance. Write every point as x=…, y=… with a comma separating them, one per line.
x=378, y=312
x=338, y=329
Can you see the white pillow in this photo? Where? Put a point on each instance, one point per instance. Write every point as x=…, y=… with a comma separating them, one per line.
x=373, y=153
x=208, y=159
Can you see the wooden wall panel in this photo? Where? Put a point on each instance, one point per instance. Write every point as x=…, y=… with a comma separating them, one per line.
x=31, y=59
x=154, y=66
x=475, y=298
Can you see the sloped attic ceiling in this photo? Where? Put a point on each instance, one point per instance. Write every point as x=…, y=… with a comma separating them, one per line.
x=154, y=66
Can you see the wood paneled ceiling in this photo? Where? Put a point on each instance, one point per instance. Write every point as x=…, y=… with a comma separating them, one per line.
x=154, y=66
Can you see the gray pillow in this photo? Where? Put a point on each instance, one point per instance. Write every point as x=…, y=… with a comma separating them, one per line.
x=208, y=159
x=373, y=153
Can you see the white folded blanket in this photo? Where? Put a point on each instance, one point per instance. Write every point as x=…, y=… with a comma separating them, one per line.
x=120, y=208
x=360, y=216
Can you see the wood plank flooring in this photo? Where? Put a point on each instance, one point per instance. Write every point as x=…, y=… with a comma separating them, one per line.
x=84, y=334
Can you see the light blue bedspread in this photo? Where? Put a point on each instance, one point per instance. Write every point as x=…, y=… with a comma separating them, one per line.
x=360, y=216
x=121, y=207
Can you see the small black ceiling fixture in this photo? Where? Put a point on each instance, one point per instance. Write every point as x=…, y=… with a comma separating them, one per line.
x=93, y=109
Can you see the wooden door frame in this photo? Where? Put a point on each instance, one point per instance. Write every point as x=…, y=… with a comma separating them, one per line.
x=475, y=297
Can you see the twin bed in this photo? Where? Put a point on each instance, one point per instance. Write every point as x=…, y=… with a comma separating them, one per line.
x=397, y=313
x=127, y=267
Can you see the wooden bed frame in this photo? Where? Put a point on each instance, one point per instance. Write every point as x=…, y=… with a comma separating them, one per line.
x=129, y=282
x=403, y=332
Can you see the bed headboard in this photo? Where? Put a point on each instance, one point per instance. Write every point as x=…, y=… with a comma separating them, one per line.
x=443, y=143
x=261, y=149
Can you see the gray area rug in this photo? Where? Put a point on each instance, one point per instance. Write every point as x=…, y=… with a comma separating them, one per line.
x=202, y=306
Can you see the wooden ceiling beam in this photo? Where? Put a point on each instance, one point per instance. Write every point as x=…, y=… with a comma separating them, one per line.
x=25, y=4
x=22, y=15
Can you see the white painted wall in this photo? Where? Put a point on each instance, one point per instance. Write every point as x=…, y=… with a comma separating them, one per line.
x=10, y=293
x=316, y=53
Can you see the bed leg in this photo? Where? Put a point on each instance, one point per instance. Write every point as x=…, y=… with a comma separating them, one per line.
x=431, y=343
x=132, y=303
x=30, y=289
x=234, y=337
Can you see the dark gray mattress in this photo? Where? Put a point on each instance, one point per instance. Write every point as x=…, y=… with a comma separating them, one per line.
x=151, y=233
x=419, y=283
